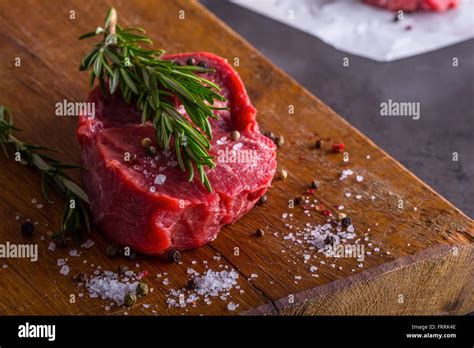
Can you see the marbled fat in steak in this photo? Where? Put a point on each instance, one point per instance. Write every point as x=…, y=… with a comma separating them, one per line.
x=148, y=204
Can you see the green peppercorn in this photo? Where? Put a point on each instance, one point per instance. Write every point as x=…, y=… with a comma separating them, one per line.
x=151, y=151
x=146, y=142
x=27, y=229
x=142, y=289
x=111, y=250
x=130, y=299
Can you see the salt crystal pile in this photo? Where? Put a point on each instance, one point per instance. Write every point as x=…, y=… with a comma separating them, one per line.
x=210, y=284
x=109, y=286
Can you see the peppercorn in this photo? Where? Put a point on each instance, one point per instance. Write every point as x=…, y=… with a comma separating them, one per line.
x=111, y=250
x=60, y=242
x=174, y=256
x=177, y=63
x=192, y=284
x=346, y=222
x=329, y=240
x=151, y=151
x=270, y=135
x=283, y=174
x=408, y=27
x=259, y=232
x=123, y=269
x=146, y=142
x=279, y=141
x=262, y=199
x=337, y=147
x=202, y=64
x=130, y=299
x=80, y=277
x=318, y=144
x=315, y=184
x=235, y=135
x=191, y=61
x=27, y=229
x=142, y=289
x=298, y=200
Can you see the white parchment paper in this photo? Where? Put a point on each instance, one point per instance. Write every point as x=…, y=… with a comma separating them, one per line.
x=357, y=28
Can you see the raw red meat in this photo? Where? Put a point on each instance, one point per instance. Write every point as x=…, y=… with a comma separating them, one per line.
x=178, y=215
x=414, y=5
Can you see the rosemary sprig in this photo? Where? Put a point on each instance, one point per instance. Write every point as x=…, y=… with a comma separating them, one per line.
x=75, y=218
x=120, y=62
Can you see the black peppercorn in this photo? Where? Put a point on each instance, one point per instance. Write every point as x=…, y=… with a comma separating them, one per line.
x=314, y=184
x=191, y=61
x=27, y=229
x=259, y=232
x=262, y=199
x=330, y=240
x=202, y=64
x=192, y=284
x=318, y=144
x=174, y=256
x=80, y=277
x=346, y=222
x=298, y=200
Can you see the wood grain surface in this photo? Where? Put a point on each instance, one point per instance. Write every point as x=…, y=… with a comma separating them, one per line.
x=420, y=259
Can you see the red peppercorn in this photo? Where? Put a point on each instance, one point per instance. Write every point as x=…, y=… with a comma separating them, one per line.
x=327, y=213
x=338, y=147
x=311, y=191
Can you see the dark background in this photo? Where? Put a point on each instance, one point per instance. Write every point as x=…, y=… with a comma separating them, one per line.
x=446, y=95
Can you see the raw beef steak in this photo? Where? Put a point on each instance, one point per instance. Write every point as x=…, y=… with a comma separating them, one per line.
x=414, y=5
x=148, y=204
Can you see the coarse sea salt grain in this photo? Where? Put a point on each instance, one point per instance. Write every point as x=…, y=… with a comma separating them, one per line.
x=237, y=146
x=52, y=246
x=87, y=244
x=64, y=270
x=160, y=179
x=345, y=174
x=231, y=306
x=73, y=253
x=359, y=178
x=152, y=189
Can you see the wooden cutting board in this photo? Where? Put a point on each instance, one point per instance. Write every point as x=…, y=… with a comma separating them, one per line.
x=421, y=251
